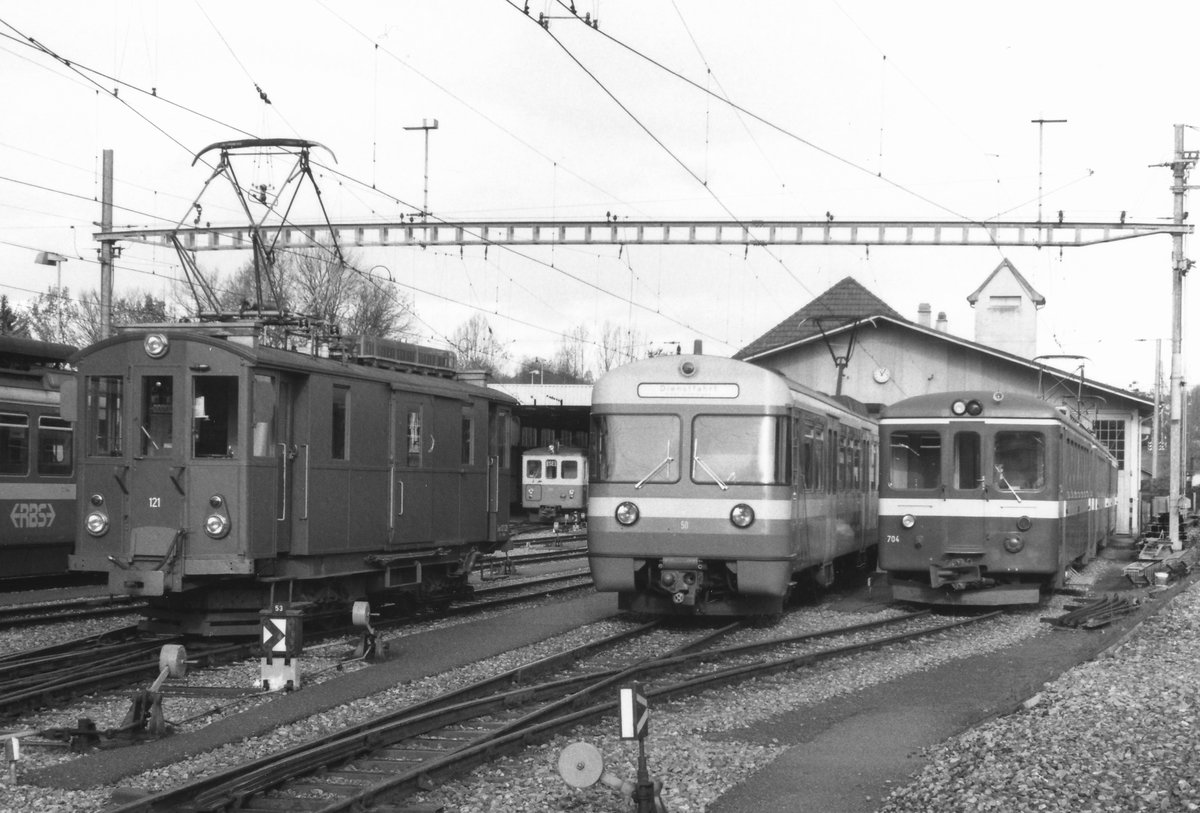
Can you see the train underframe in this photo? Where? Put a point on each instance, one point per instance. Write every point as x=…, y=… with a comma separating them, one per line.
x=324, y=591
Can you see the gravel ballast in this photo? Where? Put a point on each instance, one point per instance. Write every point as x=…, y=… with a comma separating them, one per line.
x=1113, y=734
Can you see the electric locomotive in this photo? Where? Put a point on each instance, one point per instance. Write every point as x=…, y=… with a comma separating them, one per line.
x=554, y=484
x=219, y=475
x=718, y=487
x=987, y=498
x=37, y=471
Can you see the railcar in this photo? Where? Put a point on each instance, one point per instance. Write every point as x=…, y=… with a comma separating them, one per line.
x=986, y=498
x=37, y=471
x=719, y=487
x=219, y=475
x=554, y=484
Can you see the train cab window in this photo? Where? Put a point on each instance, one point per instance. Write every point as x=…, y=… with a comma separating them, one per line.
x=533, y=468
x=55, y=457
x=158, y=414
x=215, y=416
x=740, y=449
x=915, y=460
x=14, y=444
x=105, y=397
x=570, y=470
x=1019, y=461
x=636, y=449
x=551, y=469
x=266, y=402
x=968, y=465
x=340, y=424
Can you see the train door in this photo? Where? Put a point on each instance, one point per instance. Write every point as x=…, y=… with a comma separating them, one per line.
x=279, y=401
x=412, y=501
x=498, y=466
x=156, y=486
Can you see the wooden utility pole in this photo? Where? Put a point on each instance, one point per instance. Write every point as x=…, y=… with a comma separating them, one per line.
x=106, y=247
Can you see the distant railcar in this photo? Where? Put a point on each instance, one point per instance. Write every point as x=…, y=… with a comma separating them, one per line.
x=554, y=484
x=37, y=467
x=719, y=487
x=987, y=498
x=219, y=476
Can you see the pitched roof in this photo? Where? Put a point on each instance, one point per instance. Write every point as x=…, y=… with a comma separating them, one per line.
x=845, y=302
x=1033, y=295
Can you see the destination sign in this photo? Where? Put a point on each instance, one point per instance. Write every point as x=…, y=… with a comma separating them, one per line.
x=687, y=390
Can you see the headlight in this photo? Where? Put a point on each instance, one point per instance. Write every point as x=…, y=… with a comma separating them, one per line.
x=571, y=494
x=908, y=520
x=216, y=526
x=1013, y=544
x=627, y=513
x=529, y=494
x=96, y=523
x=155, y=345
x=1024, y=524
x=742, y=515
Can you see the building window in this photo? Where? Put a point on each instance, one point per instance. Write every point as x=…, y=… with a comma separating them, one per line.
x=1112, y=435
x=1004, y=303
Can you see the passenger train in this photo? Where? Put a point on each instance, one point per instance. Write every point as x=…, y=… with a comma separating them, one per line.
x=219, y=475
x=986, y=498
x=37, y=467
x=554, y=484
x=719, y=487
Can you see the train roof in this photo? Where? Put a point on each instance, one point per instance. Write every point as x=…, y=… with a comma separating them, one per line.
x=755, y=384
x=1003, y=405
x=18, y=351
x=292, y=361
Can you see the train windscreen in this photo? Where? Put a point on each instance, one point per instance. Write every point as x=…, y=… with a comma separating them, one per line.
x=635, y=449
x=743, y=449
x=915, y=460
x=1019, y=461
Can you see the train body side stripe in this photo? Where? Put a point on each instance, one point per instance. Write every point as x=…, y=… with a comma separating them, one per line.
x=706, y=508
x=37, y=491
x=974, y=507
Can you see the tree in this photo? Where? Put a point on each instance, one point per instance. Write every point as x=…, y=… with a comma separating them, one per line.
x=618, y=346
x=570, y=359
x=134, y=308
x=12, y=322
x=55, y=317
x=477, y=346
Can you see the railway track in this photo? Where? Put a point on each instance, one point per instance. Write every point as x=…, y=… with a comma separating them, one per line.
x=27, y=615
x=372, y=766
x=124, y=658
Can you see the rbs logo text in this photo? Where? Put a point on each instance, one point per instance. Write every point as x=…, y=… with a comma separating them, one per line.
x=32, y=515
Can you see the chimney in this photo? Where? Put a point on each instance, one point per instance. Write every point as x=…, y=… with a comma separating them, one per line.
x=942, y=324
x=923, y=313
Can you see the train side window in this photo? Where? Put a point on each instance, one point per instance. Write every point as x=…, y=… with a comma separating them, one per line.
x=533, y=468
x=915, y=459
x=55, y=442
x=813, y=455
x=1019, y=461
x=414, y=437
x=105, y=398
x=968, y=466
x=14, y=444
x=468, y=437
x=570, y=469
x=158, y=415
x=215, y=416
x=340, y=423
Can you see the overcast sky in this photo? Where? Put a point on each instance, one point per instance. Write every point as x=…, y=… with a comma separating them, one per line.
x=879, y=110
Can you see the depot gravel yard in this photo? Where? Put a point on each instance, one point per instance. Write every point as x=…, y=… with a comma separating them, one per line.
x=1017, y=762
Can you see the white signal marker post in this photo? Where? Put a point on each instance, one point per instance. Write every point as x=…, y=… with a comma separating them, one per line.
x=635, y=721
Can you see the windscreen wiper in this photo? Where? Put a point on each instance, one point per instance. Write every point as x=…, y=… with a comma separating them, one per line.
x=703, y=465
x=656, y=469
